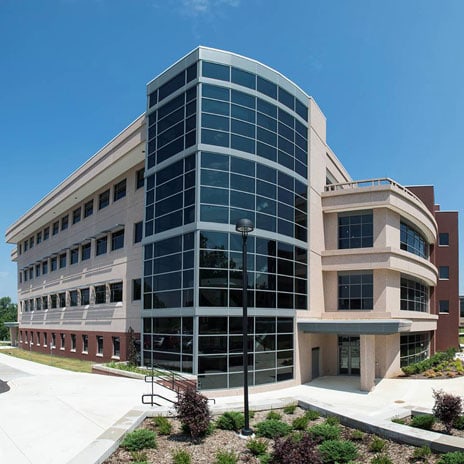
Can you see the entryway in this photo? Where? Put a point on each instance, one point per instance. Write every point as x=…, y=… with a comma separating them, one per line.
x=348, y=355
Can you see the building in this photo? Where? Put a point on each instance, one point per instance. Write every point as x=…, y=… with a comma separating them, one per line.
x=344, y=276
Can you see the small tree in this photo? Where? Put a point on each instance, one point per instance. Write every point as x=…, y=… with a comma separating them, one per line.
x=193, y=412
x=131, y=347
x=296, y=449
x=447, y=408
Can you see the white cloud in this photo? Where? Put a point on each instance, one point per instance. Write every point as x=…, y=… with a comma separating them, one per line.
x=206, y=7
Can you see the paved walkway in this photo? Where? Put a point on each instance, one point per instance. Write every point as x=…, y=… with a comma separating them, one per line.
x=54, y=416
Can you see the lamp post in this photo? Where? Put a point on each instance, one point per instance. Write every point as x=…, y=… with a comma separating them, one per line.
x=245, y=226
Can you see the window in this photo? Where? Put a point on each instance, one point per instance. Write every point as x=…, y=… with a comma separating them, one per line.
x=62, y=260
x=414, y=348
x=39, y=237
x=38, y=338
x=136, y=289
x=85, y=296
x=62, y=299
x=85, y=251
x=99, y=345
x=88, y=209
x=53, y=341
x=104, y=199
x=414, y=295
x=73, y=298
x=116, y=292
x=62, y=341
x=53, y=301
x=443, y=239
x=138, y=232
x=45, y=302
x=76, y=217
x=355, y=291
x=31, y=273
x=413, y=241
x=355, y=230
x=45, y=339
x=38, y=304
x=55, y=227
x=461, y=306
x=31, y=242
x=64, y=222
x=73, y=342
x=443, y=306
x=85, y=343
x=53, y=263
x=26, y=245
x=100, y=294
x=37, y=270
x=119, y=190
x=74, y=256
x=46, y=233
x=102, y=245
x=443, y=272
x=139, y=178
x=117, y=240
x=45, y=267
x=116, y=347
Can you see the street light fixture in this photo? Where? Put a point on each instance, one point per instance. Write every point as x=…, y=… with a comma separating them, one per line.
x=245, y=226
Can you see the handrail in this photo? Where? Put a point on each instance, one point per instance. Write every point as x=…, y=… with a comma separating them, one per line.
x=369, y=183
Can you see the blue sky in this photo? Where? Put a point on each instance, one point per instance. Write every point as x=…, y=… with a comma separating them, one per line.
x=389, y=77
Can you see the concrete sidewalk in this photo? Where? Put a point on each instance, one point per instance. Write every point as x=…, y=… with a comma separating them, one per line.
x=54, y=416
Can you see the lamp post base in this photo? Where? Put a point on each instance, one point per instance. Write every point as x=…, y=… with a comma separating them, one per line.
x=246, y=433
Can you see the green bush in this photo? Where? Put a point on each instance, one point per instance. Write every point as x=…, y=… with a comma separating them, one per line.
x=381, y=459
x=338, y=451
x=459, y=423
x=273, y=415
x=230, y=420
x=181, y=457
x=139, y=457
x=312, y=415
x=272, y=428
x=457, y=457
x=265, y=459
x=422, y=453
x=423, y=421
x=324, y=432
x=257, y=447
x=226, y=457
x=377, y=444
x=356, y=435
x=290, y=408
x=300, y=423
x=398, y=420
x=139, y=439
x=332, y=420
x=162, y=424
x=430, y=363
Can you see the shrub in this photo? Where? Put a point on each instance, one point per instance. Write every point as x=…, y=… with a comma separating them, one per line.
x=311, y=414
x=381, y=459
x=357, y=435
x=181, y=457
x=290, y=408
x=398, y=420
x=324, y=432
x=265, y=459
x=447, y=408
x=332, y=420
x=337, y=451
x=300, y=423
x=139, y=439
x=459, y=423
x=422, y=453
x=231, y=420
x=226, y=457
x=296, y=449
x=377, y=444
x=456, y=457
x=162, y=424
x=193, y=412
x=257, y=447
x=423, y=421
x=273, y=415
x=139, y=457
x=435, y=360
x=272, y=428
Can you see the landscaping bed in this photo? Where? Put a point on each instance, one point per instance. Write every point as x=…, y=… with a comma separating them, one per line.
x=368, y=448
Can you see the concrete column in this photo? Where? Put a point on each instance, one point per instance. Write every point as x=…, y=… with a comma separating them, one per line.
x=367, y=355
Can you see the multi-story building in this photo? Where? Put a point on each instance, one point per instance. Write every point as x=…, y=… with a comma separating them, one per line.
x=344, y=277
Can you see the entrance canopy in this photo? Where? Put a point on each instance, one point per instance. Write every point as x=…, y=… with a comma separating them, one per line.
x=355, y=326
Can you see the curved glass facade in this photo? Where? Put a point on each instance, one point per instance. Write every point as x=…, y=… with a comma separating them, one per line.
x=224, y=142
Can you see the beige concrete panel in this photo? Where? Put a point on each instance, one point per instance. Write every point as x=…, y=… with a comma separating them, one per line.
x=317, y=120
x=367, y=358
x=387, y=355
x=331, y=231
x=428, y=323
x=331, y=291
x=316, y=286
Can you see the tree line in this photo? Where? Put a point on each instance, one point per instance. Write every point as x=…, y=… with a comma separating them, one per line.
x=8, y=313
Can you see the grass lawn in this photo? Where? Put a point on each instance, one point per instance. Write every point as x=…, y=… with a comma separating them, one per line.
x=69, y=364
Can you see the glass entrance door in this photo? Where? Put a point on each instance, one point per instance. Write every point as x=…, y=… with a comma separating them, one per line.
x=348, y=355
